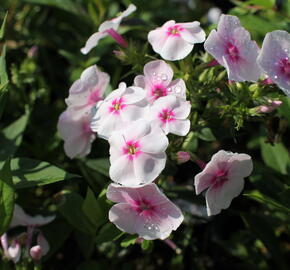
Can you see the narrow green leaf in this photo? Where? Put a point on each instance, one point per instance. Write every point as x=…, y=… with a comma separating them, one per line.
x=256, y=195
x=108, y=233
x=3, y=81
x=206, y=135
x=147, y=245
x=284, y=109
x=31, y=173
x=2, y=29
x=6, y=197
x=11, y=137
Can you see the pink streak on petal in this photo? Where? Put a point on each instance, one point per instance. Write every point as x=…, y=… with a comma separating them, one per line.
x=117, y=37
x=166, y=116
x=94, y=97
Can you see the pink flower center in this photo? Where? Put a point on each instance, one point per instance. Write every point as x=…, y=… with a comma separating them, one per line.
x=144, y=207
x=158, y=91
x=117, y=105
x=285, y=67
x=166, y=115
x=233, y=52
x=221, y=176
x=174, y=30
x=132, y=149
x=94, y=97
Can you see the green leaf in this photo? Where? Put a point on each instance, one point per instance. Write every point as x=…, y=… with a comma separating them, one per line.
x=284, y=109
x=100, y=165
x=130, y=240
x=263, y=230
x=67, y=5
x=3, y=81
x=28, y=172
x=71, y=208
x=276, y=156
x=96, y=209
x=2, y=29
x=108, y=233
x=147, y=244
x=256, y=195
x=11, y=137
x=261, y=3
x=6, y=197
x=206, y=134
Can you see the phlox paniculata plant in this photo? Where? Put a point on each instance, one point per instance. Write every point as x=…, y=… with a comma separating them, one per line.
x=138, y=118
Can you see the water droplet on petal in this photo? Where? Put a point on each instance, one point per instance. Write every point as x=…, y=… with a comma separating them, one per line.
x=169, y=89
x=154, y=73
x=275, y=77
x=178, y=89
x=163, y=77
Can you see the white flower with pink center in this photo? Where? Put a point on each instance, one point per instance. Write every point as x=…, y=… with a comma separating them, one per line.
x=88, y=90
x=157, y=81
x=224, y=177
x=170, y=114
x=232, y=47
x=174, y=41
x=143, y=210
x=76, y=132
x=121, y=106
x=108, y=27
x=274, y=58
x=137, y=153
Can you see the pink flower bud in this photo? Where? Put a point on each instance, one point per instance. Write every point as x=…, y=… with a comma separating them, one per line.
x=36, y=252
x=183, y=157
x=271, y=106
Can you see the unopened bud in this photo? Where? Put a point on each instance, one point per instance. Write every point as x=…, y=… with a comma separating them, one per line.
x=36, y=252
x=183, y=157
x=271, y=106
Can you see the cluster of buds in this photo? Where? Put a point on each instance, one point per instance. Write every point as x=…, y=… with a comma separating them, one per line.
x=22, y=245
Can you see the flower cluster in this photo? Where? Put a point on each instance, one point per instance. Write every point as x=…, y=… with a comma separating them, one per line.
x=136, y=119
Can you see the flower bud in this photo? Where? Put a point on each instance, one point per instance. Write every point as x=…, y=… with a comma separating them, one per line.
x=183, y=157
x=271, y=106
x=36, y=252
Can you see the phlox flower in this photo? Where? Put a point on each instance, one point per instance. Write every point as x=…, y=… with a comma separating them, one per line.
x=76, y=132
x=108, y=27
x=170, y=114
x=143, y=210
x=274, y=58
x=174, y=41
x=137, y=153
x=232, y=47
x=224, y=177
x=182, y=156
x=88, y=90
x=119, y=107
x=157, y=81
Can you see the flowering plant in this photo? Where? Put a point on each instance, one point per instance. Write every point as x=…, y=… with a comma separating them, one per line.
x=160, y=131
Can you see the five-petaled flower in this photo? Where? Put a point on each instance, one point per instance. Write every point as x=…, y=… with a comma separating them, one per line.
x=174, y=41
x=157, y=81
x=224, y=177
x=143, y=210
x=137, y=153
x=274, y=58
x=119, y=107
x=109, y=27
x=232, y=47
x=170, y=114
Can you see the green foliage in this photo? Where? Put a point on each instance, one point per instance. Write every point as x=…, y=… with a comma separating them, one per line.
x=6, y=197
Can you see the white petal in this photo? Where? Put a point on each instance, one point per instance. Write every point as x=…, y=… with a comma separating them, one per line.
x=93, y=41
x=193, y=34
x=175, y=48
x=179, y=127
